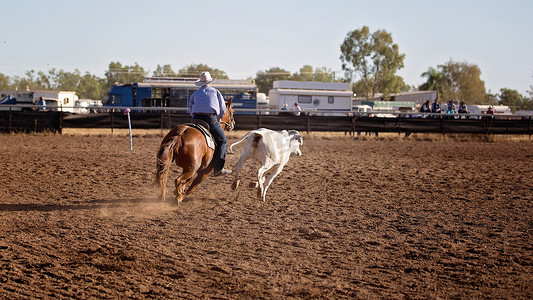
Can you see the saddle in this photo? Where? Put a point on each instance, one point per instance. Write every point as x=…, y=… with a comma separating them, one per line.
x=203, y=127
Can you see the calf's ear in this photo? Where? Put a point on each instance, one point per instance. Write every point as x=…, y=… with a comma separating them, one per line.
x=299, y=138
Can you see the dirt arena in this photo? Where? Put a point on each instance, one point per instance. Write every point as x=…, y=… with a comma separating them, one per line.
x=364, y=219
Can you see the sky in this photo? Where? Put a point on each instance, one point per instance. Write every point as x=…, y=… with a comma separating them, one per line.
x=242, y=38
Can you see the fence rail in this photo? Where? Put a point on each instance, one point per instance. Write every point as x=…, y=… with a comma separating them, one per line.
x=55, y=121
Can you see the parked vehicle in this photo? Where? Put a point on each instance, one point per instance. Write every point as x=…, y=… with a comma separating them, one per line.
x=175, y=92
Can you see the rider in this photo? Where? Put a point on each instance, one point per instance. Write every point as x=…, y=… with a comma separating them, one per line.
x=207, y=104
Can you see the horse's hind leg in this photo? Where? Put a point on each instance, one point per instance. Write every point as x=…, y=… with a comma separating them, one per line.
x=181, y=183
x=199, y=178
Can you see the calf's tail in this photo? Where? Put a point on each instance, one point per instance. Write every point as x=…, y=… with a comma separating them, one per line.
x=230, y=151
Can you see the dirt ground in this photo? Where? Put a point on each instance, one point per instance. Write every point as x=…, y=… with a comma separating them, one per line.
x=350, y=218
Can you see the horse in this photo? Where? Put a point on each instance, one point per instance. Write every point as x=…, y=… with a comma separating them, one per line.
x=187, y=146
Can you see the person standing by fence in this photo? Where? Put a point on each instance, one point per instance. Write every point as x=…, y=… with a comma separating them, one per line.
x=42, y=104
x=297, y=109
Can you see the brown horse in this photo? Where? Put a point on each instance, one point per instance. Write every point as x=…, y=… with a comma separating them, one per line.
x=187, y=147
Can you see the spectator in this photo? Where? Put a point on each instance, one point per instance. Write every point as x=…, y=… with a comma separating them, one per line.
x=285, y=110
x=435, y=107
x=462, y=108
x=297, y=109
x=490, y=111
x=451, y=107
x=425, y=108
x=42, y=104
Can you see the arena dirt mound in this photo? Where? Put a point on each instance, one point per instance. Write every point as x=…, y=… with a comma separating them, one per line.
x=348, y=219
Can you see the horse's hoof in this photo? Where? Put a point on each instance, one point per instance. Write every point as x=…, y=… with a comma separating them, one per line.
x=253, y=185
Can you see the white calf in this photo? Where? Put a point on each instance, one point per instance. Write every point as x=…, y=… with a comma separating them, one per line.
x=272, y=149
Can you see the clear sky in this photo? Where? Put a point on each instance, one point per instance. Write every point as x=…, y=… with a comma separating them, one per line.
x=244, y=37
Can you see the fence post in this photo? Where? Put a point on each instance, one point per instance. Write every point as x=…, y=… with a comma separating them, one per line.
x=441, y=125
x=399, y=125
x=529, y=127
x=61, y=122
x=112, y=127
x=259, y=119
x=10, y=120
x=352, y=129
x=308, y=125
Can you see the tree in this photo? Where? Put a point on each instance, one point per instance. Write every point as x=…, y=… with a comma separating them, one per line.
x=194, y=71
x=124, y=74
x=28, y=82
x=434, y=81
x=462, y=82
x=165, y=71
x=373, y=57
x=491, y=98
x=91, y=87
x=62, y=80
x=265, y=79
x=511, y=98
x=528, y=102
x=4, y=82
x=306, y=73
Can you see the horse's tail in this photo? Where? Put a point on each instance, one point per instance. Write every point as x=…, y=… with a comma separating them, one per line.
x=165, y=156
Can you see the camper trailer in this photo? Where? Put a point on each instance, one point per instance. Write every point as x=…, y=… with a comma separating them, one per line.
x=320, y=98
x=482, y=109
x=55, y=100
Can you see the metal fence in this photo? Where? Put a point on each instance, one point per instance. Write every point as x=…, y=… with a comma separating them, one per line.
x=166, y=118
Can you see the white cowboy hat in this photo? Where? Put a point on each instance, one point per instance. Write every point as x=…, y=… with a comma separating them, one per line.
x=205, y=79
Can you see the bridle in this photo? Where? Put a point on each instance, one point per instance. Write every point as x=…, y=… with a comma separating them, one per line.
x=230, y=125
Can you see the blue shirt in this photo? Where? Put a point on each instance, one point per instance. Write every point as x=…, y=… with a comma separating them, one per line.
x=208, y=100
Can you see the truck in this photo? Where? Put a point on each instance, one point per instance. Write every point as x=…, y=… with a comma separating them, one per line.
x=174, y=92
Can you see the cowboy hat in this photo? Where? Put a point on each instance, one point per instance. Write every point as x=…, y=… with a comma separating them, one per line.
x=205, y=79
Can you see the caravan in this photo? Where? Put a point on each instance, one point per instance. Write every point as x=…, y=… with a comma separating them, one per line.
x=321, y=98
x=23, y=100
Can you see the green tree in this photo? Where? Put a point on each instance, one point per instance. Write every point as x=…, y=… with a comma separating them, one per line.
x=434, y=81
x=194, y=71
x=124, y=74
x=91, y=87
x=462, y=82
x=164, y=71
x=265, y=79
x=511, y=98
x=4, y=82
x=528, y=101
x=27, y=82
x=491, y=98
x=372, y=57
x=307, y=73
x=65, y=81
